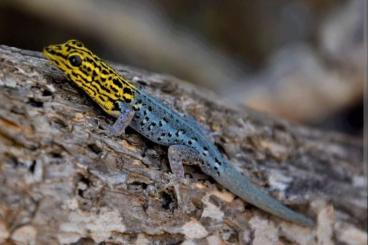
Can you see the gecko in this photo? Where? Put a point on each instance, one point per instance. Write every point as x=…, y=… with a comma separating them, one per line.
x=185, y=138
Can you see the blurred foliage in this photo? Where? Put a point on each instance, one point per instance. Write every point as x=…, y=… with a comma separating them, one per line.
x=250, y=30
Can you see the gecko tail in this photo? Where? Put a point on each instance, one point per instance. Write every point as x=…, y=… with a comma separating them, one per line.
x=241, y=185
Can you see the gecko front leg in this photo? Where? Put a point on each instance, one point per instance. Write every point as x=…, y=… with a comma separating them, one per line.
x=124, y=119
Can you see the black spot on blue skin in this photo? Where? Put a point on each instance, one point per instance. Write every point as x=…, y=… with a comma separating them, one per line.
x=146, y=118
x=144, y=112
x=150, y=108
x=169, y=135
x=116, y=106
x=159, y=139
x=218, y=161
x=190, y=142
x=215, y=168
x=205, y=148
x=151, y=126
x=160, y=124
x=128, y=100
x=180, y=132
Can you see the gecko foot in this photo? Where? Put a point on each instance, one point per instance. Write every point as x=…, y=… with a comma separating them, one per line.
x=176, y=154
x=124, y=119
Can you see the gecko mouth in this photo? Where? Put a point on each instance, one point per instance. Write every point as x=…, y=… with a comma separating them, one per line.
x=52, y=54
x=46, y=51
x=49, y=53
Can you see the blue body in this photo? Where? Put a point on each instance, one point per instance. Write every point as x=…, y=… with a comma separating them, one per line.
x=162, y=125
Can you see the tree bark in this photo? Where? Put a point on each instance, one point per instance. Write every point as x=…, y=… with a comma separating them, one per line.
x=63, y=180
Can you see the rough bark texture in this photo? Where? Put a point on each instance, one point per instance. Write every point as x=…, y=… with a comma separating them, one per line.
x=63, y=180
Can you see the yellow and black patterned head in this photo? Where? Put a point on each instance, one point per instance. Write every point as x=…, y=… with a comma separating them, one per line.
x=99, y=80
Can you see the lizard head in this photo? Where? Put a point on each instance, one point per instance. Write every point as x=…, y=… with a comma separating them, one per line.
x=73, y=58
x=98, y=79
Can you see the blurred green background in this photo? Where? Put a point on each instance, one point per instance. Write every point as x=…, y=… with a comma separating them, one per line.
x=300, y=60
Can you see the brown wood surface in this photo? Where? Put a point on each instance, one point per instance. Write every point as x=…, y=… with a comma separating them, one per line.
x=63, y=180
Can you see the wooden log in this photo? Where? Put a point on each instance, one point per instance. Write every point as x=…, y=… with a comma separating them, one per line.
x=63, y=180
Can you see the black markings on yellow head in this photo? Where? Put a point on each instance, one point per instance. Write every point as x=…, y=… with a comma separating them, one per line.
x=99, y=80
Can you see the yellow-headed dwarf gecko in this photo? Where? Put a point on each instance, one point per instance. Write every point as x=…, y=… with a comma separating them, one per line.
x=185, y=138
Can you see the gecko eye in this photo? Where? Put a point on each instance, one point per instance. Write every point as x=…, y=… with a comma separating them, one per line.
x=75, y=60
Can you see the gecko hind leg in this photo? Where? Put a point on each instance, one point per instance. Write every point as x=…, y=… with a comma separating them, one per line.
x=176, y=155
x=124, y=119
